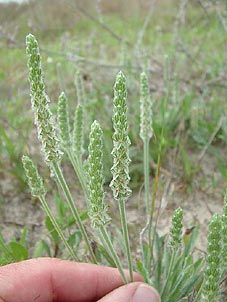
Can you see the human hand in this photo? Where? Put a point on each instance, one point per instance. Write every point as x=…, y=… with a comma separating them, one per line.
x=55, y=280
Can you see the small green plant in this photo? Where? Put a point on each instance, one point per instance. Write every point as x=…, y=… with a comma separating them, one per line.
x=13, y=250
x=13, y=154
x=166, y=262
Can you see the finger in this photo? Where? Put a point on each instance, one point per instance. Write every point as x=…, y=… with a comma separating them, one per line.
x=133, y=292
x=55, y=280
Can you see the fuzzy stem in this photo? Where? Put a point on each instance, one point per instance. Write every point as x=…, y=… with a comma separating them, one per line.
x=150, y=224
x=126, y=236
x=147, y=198
x=65, y=189
x=56, y=226
x=155, y=187
x=146, y=175
x=107, y=242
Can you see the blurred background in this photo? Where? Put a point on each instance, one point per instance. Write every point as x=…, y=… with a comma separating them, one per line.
x=181, y=44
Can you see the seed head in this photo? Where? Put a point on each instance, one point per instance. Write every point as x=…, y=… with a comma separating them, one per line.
x=63, y=121
x=78, y=131
x=224, y=236
x=213, y=262
x=176, y=229
x=98, y=210
x=35, y=182
x=121, y=142
x=79, y=88
x=40, y=104
x=146, y=130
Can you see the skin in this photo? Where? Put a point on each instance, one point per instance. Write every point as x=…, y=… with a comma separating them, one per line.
x=55, y=280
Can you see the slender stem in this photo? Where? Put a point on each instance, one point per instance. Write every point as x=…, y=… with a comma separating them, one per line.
x=65, y=189
x=107, y=242
x=149, y=214
x=155, y=187
x=126, y=236
x=78, y=171
x=146, y=175
x=148, y=227
x=56, y=226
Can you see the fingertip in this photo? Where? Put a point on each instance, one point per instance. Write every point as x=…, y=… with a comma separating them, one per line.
x=138, y=277
x=133, y=292
x=145, y=293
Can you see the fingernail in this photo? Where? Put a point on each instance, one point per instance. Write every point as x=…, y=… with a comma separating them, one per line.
x=145, y=293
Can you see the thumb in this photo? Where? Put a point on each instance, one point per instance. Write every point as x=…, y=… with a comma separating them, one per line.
x=132, y=292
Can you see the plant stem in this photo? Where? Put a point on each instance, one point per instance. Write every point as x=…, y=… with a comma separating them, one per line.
x=107, y=242
x=149, y=207
x=56, y=226
x=155, y=188
x=77, y=167
x=126, y=236
x=146, y=175
x=147, y=198
x=65, y=189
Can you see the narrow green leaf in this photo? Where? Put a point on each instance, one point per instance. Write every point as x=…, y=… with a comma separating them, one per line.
x=107, y=256
x=23, y=237
x=75, y=239
x=143, y=271
x=52, y=230
x=19, y=252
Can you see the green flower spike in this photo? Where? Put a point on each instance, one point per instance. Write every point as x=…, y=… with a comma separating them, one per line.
x=46, y=131
x=146, y=130
x=146, y=133
x=35, y=182
x=78, y=131
x=212, y=272
x=40, y=103
x=79, y=88
x=98, y=210
x=176, y=229
x=121, y=142
x=63, y=121
x=224, y=236
x=121, y=160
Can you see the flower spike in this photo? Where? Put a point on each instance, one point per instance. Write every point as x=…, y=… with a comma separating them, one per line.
x=121, y=142
x=40, y=104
